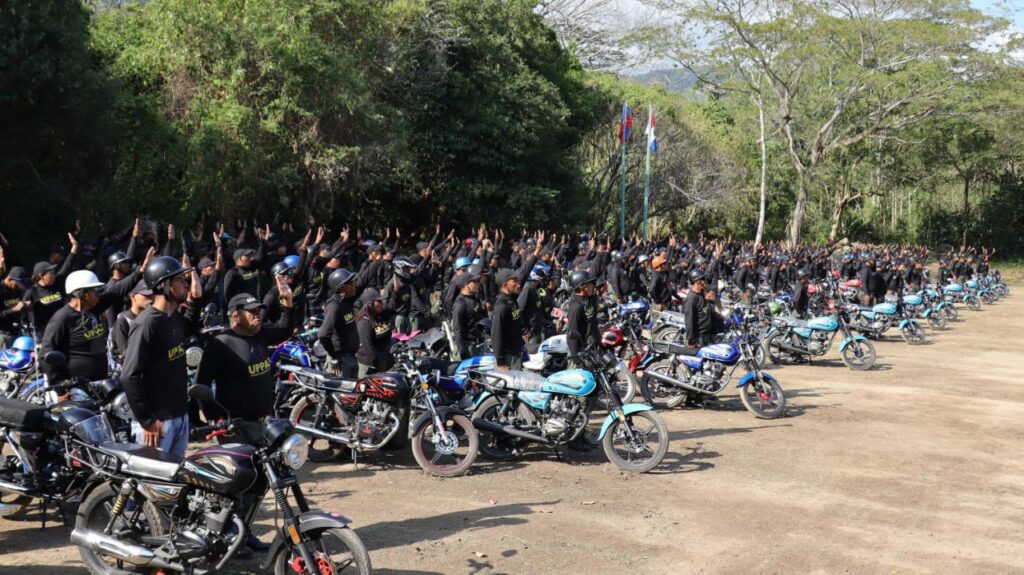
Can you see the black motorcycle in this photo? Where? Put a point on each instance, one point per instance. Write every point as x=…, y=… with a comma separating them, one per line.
x=32, y=462
x=146, y=510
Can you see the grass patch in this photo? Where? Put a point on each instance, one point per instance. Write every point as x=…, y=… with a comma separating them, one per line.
x=1012, y=270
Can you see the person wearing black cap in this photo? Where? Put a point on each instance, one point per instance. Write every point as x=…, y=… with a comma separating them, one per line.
x=374, y=354
x=338, y=334
x=697, y=312
x=45, y=297
x=581, y=315
x=238, y=361
x=154, y=374
x=507, y=326
x=801, y=294
x=244, y=277
x=139, y=298
x=466, y=313
x=12, y=292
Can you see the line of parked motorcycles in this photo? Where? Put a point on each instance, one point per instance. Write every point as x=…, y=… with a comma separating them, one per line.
x=135, y=508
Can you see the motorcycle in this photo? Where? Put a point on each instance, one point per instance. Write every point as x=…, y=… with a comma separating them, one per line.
x=147, y=510
x=939, y=303
x=553, y=356
x=17, y=365
x=32, y=462
x=955, y=291
x=680, y=373
x=916, y=306
x=875, y=320
x=790, y=338
x=521, y=407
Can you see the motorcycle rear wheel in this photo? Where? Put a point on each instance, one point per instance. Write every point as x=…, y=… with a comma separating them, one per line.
x=12, y=505
x=973, y=303
x=320, y=450
x=663, y=395
x=431, y=456
x=913, y=334
x=774, y=353
x=95, y=514
x=621, y=451
x=764, y=398
x=937, y=320
x=496, y=446
x=352, y=558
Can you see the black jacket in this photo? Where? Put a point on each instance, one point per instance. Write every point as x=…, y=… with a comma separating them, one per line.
x=507, y=326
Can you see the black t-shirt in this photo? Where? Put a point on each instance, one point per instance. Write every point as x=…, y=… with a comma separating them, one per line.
x=82, y=337
x=45, y=301
x=581, y=316
x=154, y=373
x=8, y=299
x=338, y=333
x=240, y=366
x=119, y=332
x=241, y=280
x=507, y=326
x=374, y=343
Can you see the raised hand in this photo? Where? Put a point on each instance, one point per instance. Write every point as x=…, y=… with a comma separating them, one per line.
x=170, y=232
x=137, y=230
x=320, y=235
x=74, y=243
x=284, y=291
x=344, y=233
x=149, y=256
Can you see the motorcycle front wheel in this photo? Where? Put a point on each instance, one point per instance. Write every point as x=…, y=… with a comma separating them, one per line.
x=950, y=312
x=913, y=334
x=450, y=452
x=95, y=513
x=763, y=398
x=937, y=320
x=644, y=450
x=859, y=355
x=973, y=303
x=337, y=550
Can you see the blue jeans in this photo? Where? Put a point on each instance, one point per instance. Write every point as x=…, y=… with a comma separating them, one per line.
x=175, y=439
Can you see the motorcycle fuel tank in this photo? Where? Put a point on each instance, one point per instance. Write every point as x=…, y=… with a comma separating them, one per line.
x=390, y=387
x=912, y=299
x=722, y=352
x=823, y=323
x=884, y=308
x=227, y=469
x=570, y=382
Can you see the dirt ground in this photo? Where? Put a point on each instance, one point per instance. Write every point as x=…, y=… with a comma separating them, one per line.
x=914, y=467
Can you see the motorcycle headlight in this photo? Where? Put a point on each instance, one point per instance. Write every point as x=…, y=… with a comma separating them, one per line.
x=295, y=451
x=193, y=356
x=119, y=407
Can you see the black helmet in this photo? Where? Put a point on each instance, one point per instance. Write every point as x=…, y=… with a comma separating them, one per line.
x=282, y=268
x=696, y=275
x=338, y=278
x=617, y=255
x=117, y=258
x=802, y=273
x=161, y=269
x=404, y=268
x=580, y=278
x=698, y=261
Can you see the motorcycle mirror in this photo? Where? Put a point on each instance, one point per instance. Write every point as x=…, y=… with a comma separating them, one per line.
x=201, y=393
x=54, y=359
x=210, y=309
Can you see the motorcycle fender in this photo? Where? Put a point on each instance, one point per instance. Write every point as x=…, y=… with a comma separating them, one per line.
x=903, y=324
x=424, y=418
x=770, y=331
x=480, y=399
x=628, y=409
x=750, y=377
x=927, y=312
x=848, y=340
x=308, y=521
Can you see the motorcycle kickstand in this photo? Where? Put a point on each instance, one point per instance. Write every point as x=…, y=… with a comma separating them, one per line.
x=558, y=456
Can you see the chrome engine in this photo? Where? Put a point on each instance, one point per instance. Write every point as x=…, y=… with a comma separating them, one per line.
x=818, y=341
x=376, y=422
x=709, y=378
x=563, y=412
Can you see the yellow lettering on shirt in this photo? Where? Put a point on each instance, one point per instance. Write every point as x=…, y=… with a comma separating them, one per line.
x=515, y=313
x=51, y=298
x=249, y=275
x=380, y=328
x=348, y=318
x=176, y=352
x=11, y=302
x=258, y=369
x=96, y=332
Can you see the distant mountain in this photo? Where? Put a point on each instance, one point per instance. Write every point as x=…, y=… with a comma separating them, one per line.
x=673, y=79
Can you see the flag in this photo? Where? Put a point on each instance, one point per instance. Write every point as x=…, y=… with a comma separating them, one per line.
x=652, y=140
x=625, y=124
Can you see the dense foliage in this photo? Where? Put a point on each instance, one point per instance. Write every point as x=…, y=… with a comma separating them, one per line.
x=409, y=111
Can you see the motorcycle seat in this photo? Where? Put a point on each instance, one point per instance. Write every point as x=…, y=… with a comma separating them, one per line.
x=22, y=415
x=792, y=321
x=673, y=348
x=324, y=380
x=515, y=380
x=143, y=461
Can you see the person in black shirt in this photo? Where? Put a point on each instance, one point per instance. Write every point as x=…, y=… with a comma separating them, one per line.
x=374, y=354
x=661, y=293
x=801, y=297
x=12, y=292
x=244, y=277
x=697, y=313
x=45, y=297
x=78, y=329
x=466, y=312
x=139, y=299
x=581, y=315
x=154, y=373
x=507, y=326
x=338, y=333
x=238, y=361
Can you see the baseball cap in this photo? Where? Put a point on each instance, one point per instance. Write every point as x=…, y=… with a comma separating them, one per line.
x=504, y=275
x=43, y=267
x=141, y=289
x=17, y=273
x=244, y=301
x=242, y=252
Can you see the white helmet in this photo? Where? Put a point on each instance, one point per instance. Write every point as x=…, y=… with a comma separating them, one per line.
x=82, y=279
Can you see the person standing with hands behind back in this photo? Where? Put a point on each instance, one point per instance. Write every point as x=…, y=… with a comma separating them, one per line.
x=154, y=373
x=374, y=354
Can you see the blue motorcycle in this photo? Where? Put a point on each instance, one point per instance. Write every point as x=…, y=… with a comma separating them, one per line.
x=790, y=339
x=517, y=408
x=682, y=374
x=917, y=306
x=17, y=365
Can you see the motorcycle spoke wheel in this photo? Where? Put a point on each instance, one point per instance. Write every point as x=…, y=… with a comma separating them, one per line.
x=764, y=398
x=449, y=453
x=95, y=513
x=859, y=355
x=496, y=446
x=337, y=551
x=12, y=505
x=640, y=447
x=320, y=450
x=659, y=394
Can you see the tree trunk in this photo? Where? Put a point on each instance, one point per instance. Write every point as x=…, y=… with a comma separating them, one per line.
x=967, y=209
x=837, y=216
x=764, y=172
x=796, y=221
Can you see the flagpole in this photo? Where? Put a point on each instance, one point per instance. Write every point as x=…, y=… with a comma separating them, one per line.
x=622, y=170
x=647, y=174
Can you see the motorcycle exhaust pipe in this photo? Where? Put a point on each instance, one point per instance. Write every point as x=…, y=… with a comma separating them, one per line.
x=673, y=381
x=13, y=487
x=106, y=545
x=321, y=434
x=492, y=427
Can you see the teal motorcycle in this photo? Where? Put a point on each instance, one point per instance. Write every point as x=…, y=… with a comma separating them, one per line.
x=790, y=339
x=917, y=306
